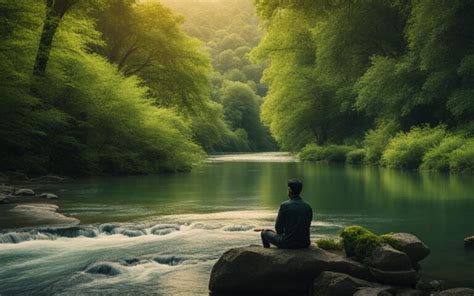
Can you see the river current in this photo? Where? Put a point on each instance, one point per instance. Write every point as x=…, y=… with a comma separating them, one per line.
x=160, y=235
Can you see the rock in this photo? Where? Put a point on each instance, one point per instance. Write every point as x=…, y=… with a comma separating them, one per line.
x=6, y=189
x=387, y=258
x=398, y=278
x=456, y=292
x=410, y=245
x=104, y=268
x=407, y=292
x=24, y=192
x=254, y=269
x=4, y=199
x=429, y=285
x=18, y=176
x=383, y=291
x=48, y=195
x=469, y=242
x=334, y=283
x=48, y=179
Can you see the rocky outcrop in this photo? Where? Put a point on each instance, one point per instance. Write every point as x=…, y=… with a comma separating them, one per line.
x=254, y=269
x=399, y=278
x=410, y=245
x=335, y=283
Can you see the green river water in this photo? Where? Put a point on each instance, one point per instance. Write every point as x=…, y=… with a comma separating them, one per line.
x=216, y=206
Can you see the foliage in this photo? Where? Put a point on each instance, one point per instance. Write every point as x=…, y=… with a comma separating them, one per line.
x=331, y=153
x=356, y=156
x=82, y=116
x=406, y=150
x=376, y=140
x=437, y=158
x=329, y=244
x=229, y=30
x=342, y=69
x=462, y=159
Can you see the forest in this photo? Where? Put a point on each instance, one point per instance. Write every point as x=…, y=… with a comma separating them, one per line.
x=378, y=82
x=120, y=87
x=132, y=87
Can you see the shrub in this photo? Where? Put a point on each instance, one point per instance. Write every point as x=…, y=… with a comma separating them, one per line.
x=329, y=244
x=462, y=159
x=437, y=158
x=331, y=153
x=311, y=152
x=406, y=150
x=376, y=141
x=356, y=156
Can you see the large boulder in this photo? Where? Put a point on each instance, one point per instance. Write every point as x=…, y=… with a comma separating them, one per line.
x=410, y=245
x=397, y=278
x=387, y=258
x=254, y=270
x=456, y=292
x=330, y=283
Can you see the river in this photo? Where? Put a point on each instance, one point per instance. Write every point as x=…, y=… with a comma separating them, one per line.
x=178, y=225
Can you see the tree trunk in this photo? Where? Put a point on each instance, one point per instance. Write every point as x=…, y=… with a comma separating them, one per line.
x=55, y=10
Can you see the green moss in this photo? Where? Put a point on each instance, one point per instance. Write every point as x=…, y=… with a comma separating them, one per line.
x=329, y=244
x=365, y=244
x=349, y=238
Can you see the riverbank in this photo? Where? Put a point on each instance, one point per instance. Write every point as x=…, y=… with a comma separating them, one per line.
x=424, y=148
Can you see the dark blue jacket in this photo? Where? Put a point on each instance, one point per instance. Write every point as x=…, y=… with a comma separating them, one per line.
x=293, y=223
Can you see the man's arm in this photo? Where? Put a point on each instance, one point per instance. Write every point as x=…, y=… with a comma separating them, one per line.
x=280, y=220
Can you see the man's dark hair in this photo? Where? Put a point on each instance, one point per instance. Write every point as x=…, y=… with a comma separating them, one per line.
x=295, y=185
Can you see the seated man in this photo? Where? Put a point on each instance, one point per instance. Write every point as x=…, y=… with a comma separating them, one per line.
x=292, y=223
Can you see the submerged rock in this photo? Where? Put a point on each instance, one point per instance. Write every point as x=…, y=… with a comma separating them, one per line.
x=24, y=192
x=7, y=189
x=105, y=268
x=330, y=283
x=469, y=242
x=48, y=195
x=410, y=245
x=254, y=269
x=164, y=229
x=456, y=292
x=132, y=232
x=387, y=258
x=108, y=228
x=4, y=199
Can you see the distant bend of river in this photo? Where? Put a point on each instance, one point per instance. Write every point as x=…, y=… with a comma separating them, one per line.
x=180, y=224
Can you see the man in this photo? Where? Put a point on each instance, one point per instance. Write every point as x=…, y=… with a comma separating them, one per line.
x=292, y=223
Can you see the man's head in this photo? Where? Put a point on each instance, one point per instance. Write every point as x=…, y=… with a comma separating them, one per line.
x=294, y=187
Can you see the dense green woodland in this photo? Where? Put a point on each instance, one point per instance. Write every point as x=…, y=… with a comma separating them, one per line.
x=374, y=81
x=117, y=86
x=135, y=86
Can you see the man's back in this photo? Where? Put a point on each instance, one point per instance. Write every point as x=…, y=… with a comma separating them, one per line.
x=293, y=223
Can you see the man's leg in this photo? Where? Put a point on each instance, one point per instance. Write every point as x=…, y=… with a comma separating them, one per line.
x=270, y=237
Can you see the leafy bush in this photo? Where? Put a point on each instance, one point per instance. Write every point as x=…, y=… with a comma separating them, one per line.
x=437, y=158
x=376, y=141
x=329, y=244
x=406, y=150
x=462, y=159
x=331, y=153
x=356, y=156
